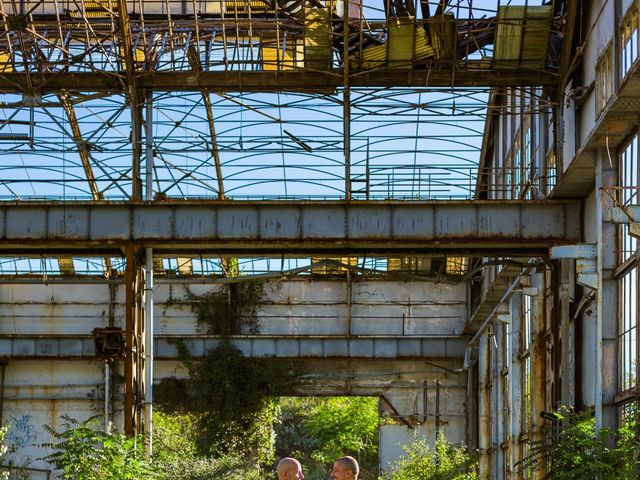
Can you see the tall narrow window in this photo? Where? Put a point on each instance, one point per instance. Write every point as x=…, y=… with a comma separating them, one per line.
x=629, y=40
x=604, y=81
x=628, y=288
x=525, y=387
x=629, y=194
x=629, y=328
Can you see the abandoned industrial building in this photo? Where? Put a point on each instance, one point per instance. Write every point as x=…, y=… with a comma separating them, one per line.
x=439, y=201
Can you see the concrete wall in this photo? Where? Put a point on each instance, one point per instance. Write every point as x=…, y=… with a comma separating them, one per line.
x=45, y=338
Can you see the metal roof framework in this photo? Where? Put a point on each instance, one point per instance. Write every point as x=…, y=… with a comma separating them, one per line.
x=147, y=100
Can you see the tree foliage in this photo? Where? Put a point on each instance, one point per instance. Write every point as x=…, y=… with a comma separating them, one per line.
x=443, y=461
x=231, y=398
x=319, y=430
x=344, y=426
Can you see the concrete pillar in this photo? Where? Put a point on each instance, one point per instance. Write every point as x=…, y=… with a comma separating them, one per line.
x=566, y=340
x=515, y=382
x=484, y=407
x=606, y=341
x=539, y=376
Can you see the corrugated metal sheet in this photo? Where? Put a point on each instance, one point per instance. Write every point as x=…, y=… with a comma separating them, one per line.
x=278, y=58
x=444, y=36
x=317, y=39
x=407, y=43
x=522, y=36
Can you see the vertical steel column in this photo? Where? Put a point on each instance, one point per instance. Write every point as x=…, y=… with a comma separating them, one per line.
x=498, y=416
x=515, y=380
x=129, y=367
x=348, y=299
x=139, y=351
x=484, y=409
x=148, y=291
x=149, y=147
x=565, y=332
x=539, y=378
x=606, y=344
x=107, y=389
x=3, y=366
x=346, y=102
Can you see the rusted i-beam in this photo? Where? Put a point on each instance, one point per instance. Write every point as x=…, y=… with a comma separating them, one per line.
x=129, y=367
x=194, y=61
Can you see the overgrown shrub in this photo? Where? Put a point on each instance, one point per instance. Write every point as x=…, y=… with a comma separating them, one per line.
x=81, y=451
x=176, y=455
x=230, y=310
x=573, y=450
x=443, y=461
x=207, y=468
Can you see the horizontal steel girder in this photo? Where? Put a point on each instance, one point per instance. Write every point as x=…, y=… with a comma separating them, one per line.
x=79, y=346
x=265, y=81
x=296, y=228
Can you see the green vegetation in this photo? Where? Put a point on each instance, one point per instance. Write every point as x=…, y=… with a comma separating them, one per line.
x=4, y=449
x=230, y=310
x=319, y=430
x=572, y=449
x=230, y=399
x=443, y=461
x=81, y=451
x=176, y=455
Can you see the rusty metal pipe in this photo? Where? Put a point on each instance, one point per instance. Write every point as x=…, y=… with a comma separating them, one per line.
x=148, y=351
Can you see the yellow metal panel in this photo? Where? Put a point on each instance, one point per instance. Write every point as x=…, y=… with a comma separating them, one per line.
x=333, y=269
x=274, y=58
x=97, y=9
x=185, y=266
x=5, y=62
x=407, y=43
x=409, y=264
x=317, y=39
x=138, y=58
x=522, y=36
x=246, y=6
x=444, y=36
x=456, y=265
x=65, y=264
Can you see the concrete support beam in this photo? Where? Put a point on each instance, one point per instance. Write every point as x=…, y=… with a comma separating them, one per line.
x=294, y=227
x=47, y=347
x=628, y=214
x=606, y=343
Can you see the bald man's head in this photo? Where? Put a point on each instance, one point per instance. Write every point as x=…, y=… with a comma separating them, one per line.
x=345, y=468
x=289, y=469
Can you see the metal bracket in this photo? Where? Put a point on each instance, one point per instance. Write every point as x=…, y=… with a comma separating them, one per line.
x=626, y=214
x=568, y=252
x=587, y=273
x=502, y=313
x=585, y=255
